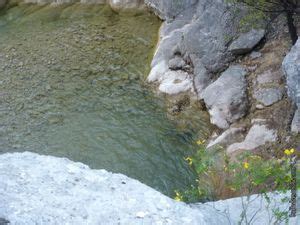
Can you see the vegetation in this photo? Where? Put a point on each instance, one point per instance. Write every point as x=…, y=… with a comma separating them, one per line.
x=274, y=8
x=221, y=177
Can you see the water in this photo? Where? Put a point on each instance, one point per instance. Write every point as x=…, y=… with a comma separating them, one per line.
x=72, y=84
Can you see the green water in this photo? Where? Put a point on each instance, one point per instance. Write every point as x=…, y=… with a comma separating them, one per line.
x=72, y=84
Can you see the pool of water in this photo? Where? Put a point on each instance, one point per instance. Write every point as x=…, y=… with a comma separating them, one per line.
x=72, y=84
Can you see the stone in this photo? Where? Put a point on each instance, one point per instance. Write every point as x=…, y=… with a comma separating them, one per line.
x=226, y=98
x=291, y=69
x=169, y=9
x=295, y=127
x=175, y=82
x=125, y=5
x=255, y=55
x=231, y=135
x=38, y=189
x=93, y=1
x=268, y=96
x=258, y=135
x=268, y=77
x=246, y=41
x=176, y=63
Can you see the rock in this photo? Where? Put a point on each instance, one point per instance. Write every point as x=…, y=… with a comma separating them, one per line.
x=39, y=189
x=226, y=98
x=255, y=55
x=268, y=96
x=169, y=9
x=295, y=127
x=202, y=78
x=258, y=135
x=93, y=1
x=269, y=76
x=246, y=42
x=175, y=82
x=291, y=68
x=231, y=135
x=177, y=63
x=125, y=5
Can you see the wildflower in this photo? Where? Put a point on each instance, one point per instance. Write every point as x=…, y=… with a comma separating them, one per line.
x=178, y=196
x=246, y=165
x=289, y=151
x=199, y=142
x=189, y=160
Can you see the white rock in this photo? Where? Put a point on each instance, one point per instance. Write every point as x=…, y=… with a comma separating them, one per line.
x=258, y=135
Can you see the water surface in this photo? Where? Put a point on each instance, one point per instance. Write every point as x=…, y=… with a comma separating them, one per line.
x=72, y=84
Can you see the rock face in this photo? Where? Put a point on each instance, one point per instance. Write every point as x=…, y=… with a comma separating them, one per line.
x=195, y=35
x=247, y=41
x=37, y=189
x=226, y=98
x=258, y=135
x=291, y=68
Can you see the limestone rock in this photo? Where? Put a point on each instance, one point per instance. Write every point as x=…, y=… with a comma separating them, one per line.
x=169, y=9
x=39, y=189
x=231, y=135
x=226, y=98
x=296, y=122
x=258, y=135
x=247, y=41
x=176, y=63
x=268, y=96
x=268, y=77
x=291, y=68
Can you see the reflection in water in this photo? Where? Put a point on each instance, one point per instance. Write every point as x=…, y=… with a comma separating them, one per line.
x=72, y=85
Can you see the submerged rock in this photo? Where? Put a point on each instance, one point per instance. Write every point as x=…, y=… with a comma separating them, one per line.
x=247, y=41
x=226, y=98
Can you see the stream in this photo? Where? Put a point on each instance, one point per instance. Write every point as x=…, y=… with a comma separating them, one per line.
x=72, y=84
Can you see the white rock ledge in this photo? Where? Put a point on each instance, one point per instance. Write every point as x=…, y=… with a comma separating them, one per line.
x=36, y=189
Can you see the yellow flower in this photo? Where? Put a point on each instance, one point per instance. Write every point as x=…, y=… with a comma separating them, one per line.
x=199, y=142
x=189, y=160
x=178, y=196
x=246, y=165
x=289, y=151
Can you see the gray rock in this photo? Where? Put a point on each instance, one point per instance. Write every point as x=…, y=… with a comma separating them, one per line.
x=39, y=189
x=169, y=9
x=177, y=63
x=255, y=55
x=247, y=41
x=231, y=135
x=226, y=98
x=295, y=127
x=268, y=96
x=258, y=135
x=125, y=5
x=268, y=77
x=291, y=68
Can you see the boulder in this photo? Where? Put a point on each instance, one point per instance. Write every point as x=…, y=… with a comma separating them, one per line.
x=295, y=127
x=246, y=41
x=226, y=98
x=258, y=135
x=268, y=96
x=291, y=69
x=169, y=9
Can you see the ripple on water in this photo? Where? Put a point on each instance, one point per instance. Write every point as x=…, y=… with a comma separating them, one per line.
x=72, y=85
